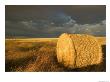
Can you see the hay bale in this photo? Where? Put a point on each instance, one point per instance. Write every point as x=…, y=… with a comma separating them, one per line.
x=78, y=50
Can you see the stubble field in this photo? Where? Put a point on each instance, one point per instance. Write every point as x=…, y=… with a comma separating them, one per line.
x=39, y=55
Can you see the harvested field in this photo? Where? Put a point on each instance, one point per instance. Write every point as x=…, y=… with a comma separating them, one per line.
x=39, y=55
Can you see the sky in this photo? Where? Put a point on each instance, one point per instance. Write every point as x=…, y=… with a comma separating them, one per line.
x=53, y=20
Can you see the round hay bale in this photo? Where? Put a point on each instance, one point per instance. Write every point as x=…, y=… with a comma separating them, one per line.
x=78, y=50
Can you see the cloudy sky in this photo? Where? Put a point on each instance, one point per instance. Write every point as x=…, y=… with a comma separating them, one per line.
x=52, y=20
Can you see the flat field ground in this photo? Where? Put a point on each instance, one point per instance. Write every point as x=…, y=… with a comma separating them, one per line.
x=39, y=55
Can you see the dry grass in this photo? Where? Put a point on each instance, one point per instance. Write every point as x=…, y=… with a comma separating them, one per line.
x=101, y=40
x=37, y=55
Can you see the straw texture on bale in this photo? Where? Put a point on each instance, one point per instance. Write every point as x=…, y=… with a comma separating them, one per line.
x=78, y=50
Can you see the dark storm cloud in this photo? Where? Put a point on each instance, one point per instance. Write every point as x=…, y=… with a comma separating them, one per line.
x=82, y=14
x=50, y=21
